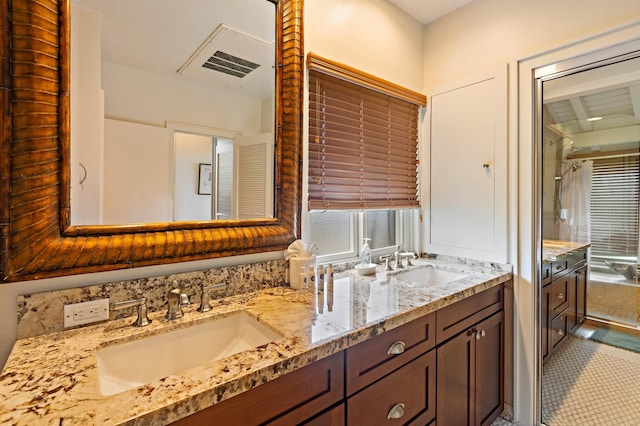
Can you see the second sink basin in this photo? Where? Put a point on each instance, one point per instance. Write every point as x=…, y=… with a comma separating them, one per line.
x=132, y=364
x=430, y=276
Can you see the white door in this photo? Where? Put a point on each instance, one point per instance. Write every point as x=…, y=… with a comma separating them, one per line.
x=254, y=176
x=467, y=193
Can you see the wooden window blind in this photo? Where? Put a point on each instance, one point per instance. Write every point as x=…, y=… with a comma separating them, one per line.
x=363, y=140
x=614, y=209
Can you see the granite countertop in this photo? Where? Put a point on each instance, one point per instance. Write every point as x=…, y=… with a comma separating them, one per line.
x=553, y=250
x=53, y=378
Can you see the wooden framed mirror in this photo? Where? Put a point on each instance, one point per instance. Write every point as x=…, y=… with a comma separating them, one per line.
x=37, y=239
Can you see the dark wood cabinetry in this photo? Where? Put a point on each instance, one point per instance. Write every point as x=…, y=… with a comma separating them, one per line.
x=470, y=372
x=446, y=367
x=290, y=399
x=564, y=299
x=405, y=397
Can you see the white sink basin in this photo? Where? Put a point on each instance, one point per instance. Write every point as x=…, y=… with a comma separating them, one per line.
x=132, y=364
x=430, y=276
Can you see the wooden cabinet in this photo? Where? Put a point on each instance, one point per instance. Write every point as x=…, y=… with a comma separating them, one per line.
x=290, y=399
x=564, y=299
x=400, y=377
x=470, y=363
x=391, y=378
x=468, y=123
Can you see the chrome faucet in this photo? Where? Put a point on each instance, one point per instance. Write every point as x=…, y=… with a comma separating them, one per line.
x=404, y=255
x=141, y=303
x=205, y=306
x=386, y=259
x=174, y=300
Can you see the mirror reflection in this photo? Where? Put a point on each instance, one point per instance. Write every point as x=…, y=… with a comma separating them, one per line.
x=591, y=187
x=172, y=110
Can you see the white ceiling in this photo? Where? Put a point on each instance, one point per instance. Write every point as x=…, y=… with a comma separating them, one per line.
x=160, y=36
x=598, y=109
x=426, y=11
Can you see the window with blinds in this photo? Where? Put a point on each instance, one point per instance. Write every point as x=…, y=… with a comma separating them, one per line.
x=363, y=140
x=614, y=209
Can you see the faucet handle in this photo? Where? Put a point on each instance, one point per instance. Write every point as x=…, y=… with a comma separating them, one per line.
x=386, y=258
x=205, y=304
x=142, y=320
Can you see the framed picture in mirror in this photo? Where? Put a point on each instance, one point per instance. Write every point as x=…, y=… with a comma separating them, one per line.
x=204, y=179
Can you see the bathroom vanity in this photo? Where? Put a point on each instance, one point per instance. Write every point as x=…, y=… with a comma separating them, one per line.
x=564, y=292
x=362, y=351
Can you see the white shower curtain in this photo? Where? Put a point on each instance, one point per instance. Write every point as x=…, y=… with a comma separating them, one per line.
x=575, y=202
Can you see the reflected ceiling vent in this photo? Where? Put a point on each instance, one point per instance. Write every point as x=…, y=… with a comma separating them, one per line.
x=230, y=64
x=230, y=58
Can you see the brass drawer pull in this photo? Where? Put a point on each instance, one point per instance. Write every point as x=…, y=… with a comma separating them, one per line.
x=396, y=411
x=560, y=332
x=560, y=268
x=397, y=348
x=560, y=296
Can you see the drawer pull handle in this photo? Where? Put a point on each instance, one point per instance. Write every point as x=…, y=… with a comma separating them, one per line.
x=396, y=349
x=560, y=268
x=480, y=334
x=560, y=332
x=560, y=296
x=396, y=411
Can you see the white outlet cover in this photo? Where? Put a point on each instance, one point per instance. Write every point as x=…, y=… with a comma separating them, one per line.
x=86, y=312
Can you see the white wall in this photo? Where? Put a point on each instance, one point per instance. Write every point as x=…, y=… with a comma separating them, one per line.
x=148, y=98
x=87, y=112
x=373, y=36
x=137, y=170
x=488, y=33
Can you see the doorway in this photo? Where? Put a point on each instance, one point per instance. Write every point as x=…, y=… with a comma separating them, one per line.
x=589, y=150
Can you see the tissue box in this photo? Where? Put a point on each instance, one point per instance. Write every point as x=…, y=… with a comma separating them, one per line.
x=295, y=268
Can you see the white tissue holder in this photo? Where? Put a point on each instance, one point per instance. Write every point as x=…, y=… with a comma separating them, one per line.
x=295, y=264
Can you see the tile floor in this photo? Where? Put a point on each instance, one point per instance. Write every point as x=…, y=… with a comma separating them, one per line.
x=588, y=383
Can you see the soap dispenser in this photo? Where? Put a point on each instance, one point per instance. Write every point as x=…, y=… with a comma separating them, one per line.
x=365, y=253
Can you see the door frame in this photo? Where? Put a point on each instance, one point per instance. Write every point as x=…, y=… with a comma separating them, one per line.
x=527, y=251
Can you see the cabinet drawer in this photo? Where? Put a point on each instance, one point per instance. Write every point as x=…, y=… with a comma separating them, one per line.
x=559, y=329
x=558, y=297
x=561, y=266
x=377, y=357
x=332, y=417
x=302, y=394
x=456, y=318
x=413, y=386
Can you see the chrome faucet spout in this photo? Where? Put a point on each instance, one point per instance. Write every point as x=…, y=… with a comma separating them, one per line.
x=175, y=307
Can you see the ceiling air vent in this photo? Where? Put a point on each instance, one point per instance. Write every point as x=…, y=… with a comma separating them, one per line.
x=231, y=58
x=230, y=64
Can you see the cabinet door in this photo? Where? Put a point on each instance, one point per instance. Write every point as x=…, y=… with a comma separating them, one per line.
x=544, y=319
x=456, y=373
x=468, y=157
x=471, y=375
x=581, y=294
x=489, y=386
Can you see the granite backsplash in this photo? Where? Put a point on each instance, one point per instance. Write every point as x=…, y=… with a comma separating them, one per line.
x=42, y=313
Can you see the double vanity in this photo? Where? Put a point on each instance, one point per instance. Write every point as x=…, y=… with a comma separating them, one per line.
x=397, y=345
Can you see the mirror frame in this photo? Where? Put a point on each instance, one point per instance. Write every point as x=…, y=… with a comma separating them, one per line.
x=36, y=238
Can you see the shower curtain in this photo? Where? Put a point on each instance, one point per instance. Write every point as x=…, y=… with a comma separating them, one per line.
x=575, y=200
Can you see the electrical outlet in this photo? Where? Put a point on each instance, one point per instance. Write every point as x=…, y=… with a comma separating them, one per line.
x=86, y=312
